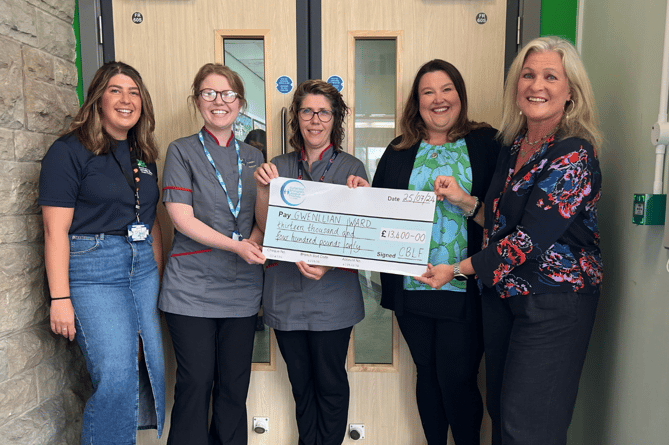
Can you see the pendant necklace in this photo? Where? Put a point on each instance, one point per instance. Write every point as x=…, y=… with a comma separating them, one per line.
x=525, y=151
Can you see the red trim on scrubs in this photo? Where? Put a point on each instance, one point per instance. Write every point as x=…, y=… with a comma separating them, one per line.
x=191, y=253
x=320, y=157
x=227, y=144
x=177, y=188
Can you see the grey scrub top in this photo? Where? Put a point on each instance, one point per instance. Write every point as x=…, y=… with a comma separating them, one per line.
x=292, y=301
x=200, y=281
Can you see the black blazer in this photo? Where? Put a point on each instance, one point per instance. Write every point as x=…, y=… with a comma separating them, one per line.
x=394, y=171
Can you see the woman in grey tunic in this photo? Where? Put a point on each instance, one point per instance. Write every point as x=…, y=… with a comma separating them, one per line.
x=213, y=279
x=313, y=308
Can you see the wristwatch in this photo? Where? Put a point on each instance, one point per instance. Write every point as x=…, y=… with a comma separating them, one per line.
x=457, y=275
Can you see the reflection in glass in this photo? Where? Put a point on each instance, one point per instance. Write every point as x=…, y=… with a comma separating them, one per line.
x=261, y=352
x=374, y=334
x=374, y=121
x=247, y=58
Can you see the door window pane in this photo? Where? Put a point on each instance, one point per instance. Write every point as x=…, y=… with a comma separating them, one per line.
x=246, y=57
x=374, y=122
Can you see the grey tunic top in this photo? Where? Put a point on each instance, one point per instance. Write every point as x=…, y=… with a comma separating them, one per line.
x=200, y=281
x=292, y=301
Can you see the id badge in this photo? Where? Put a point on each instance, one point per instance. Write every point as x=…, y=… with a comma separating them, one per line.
x=237, y=236
x=138, y=232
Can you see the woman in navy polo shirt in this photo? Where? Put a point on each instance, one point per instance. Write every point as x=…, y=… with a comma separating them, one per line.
x=102, y=252
x=213, y=279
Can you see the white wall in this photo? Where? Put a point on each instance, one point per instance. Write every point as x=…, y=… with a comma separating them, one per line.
x=624, y=394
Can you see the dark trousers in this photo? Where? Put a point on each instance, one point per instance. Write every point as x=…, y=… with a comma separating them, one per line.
x=447, y=355
x=535, y=347
x=316, y=362
x=210, y=352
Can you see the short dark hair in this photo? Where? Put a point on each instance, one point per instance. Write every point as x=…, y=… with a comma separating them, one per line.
x=258, y=138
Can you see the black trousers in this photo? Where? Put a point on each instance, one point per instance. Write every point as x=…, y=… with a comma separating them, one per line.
x=210, y=352
x=316, y=362
x=535, y=348
x=447, y=355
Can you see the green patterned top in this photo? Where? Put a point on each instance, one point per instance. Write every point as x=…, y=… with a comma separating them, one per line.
x=449, y=231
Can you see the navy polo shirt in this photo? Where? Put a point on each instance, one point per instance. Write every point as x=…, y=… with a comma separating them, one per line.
x=103, y=201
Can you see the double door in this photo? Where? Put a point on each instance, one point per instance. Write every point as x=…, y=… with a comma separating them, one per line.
x=371, y=50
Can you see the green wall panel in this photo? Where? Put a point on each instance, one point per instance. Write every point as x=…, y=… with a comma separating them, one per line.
x=75, y=26
x=558, y=18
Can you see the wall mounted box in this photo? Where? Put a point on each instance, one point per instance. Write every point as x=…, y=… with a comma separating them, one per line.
x=649, y=209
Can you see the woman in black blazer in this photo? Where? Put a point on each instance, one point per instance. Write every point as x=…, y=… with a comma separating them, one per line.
x=442, y=327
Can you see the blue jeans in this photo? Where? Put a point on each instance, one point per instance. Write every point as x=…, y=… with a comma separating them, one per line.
x=114, y=289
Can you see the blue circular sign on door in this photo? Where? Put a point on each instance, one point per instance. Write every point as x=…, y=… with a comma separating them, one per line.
x=284, y=84
x=336, y=82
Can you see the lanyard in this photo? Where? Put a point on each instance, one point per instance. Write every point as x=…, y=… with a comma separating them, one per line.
x=300, y=169
x=233, y=210
x=135, y=176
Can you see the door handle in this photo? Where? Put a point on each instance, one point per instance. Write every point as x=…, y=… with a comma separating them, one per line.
x=284, y=130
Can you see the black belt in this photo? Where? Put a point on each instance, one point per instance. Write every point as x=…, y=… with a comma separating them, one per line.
x=117, y=232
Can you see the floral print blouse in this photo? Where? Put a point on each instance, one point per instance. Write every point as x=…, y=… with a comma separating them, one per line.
x=540, y=233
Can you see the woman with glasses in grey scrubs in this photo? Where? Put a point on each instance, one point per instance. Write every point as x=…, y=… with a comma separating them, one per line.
x=213, y=279
x=313, y=308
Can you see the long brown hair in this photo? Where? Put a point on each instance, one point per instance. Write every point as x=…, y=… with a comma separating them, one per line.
x=339, y=110
x=413, y=127
x=87, y=124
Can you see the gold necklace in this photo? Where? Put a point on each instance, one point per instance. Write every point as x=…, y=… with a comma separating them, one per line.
x=525, y=151
x=541, y=139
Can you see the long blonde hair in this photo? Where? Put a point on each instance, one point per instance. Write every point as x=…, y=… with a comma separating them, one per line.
x=87, y=124
x=580, y=117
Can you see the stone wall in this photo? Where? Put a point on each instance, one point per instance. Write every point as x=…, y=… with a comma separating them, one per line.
x=43, y=382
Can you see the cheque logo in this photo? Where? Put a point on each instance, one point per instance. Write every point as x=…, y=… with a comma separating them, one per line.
x=292, y=192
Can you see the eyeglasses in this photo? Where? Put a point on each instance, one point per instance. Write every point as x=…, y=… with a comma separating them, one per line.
x=306, y=114
x=227, y=96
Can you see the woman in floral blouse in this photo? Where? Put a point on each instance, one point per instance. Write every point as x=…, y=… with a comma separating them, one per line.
x=540, y=268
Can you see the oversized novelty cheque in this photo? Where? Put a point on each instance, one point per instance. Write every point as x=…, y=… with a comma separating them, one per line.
x=365, y=228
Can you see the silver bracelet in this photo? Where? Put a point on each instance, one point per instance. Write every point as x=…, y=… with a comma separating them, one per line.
x=472, y=212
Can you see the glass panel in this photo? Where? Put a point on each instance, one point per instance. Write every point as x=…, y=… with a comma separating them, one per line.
x=374, y=334
x=261, y=352
x=374, y=121
x=247, y=58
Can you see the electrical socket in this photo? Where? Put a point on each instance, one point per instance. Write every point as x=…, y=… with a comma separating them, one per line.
x=261, y=424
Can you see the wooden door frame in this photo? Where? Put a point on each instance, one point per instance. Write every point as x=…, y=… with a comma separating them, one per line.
x=521, y=26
